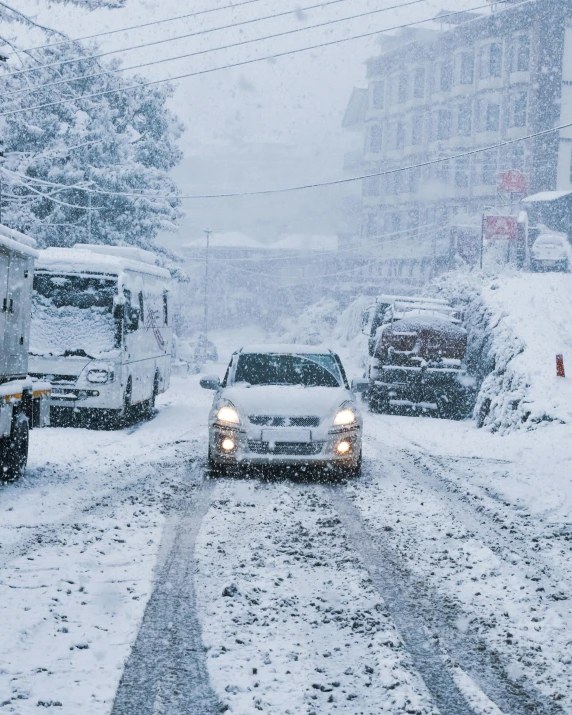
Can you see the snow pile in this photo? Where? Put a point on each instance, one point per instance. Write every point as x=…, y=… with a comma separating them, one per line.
x=314, y=326
x=57, y=330
x=516, y=329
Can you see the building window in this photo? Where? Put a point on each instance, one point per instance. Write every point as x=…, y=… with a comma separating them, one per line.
x=465, y=119
x=462, y=173
x=521, y=56
x=490, y=60
x=488, y=116
x=414, y=180
x=419, y=83
x=399, y=181
x=417, y=130
x=493, y=117
x=402, y=88
x=467, y=68
x=400, y=135
x=446, y=76
x=376, y=139
x=571, y=168
x=378, y=95
x=371, y=186
x=371, y=225
x=489, y=169
x=519, y=107
x=443, y=172
x=444, y=124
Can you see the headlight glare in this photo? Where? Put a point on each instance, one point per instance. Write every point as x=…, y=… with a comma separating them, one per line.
x=228, y=414
x=345, y=417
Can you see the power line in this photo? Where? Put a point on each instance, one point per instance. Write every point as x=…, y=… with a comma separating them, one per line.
x=133, y=27
x=302, y=187
x=150, y=83
x=215, y=29
x=40, y=88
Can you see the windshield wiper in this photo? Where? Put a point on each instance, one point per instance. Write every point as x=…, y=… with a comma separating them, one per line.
x=77, y=353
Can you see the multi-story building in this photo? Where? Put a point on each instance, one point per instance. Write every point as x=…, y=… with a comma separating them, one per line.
x=435, y=94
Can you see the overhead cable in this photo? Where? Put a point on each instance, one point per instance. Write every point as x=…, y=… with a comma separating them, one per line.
x=215, y=29
x=243, y=63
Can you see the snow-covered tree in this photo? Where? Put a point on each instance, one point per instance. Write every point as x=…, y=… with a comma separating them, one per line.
x=122, y=142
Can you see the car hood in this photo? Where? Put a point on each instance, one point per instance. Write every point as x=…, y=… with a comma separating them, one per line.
x=292, y=401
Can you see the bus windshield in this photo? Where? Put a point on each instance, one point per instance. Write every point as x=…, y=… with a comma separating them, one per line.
x=72, y=315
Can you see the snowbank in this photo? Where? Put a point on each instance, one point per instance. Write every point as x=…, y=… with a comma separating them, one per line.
x=517, y=327
x=517, y=324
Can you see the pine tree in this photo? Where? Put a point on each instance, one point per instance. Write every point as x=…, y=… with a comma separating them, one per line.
x=123, y=142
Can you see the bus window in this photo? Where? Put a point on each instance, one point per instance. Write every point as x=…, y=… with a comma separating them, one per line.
x=165, y=309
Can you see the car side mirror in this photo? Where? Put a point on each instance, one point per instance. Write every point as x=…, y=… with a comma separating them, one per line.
x=210, y=382
x=360, y=385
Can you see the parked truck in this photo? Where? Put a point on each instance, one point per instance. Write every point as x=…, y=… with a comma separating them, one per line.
x=24, y=403
x=417, y=348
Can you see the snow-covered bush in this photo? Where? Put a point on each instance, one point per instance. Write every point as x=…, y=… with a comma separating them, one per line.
x=314, y=326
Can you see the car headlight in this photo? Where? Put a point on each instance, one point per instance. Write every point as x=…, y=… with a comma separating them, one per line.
x=228, y=414
x=100, y=376
x=345, y=417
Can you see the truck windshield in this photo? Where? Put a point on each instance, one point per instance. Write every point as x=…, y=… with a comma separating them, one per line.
x=76, y=291
x=273, y=369
x=72, y=316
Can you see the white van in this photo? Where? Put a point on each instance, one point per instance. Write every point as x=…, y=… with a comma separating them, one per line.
x=101, y=329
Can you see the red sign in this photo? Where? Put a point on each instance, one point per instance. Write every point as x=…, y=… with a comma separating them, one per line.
x=512, y=182
x=500, y=227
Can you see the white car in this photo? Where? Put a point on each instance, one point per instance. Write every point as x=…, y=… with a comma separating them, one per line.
x=551, y=251
x=284, y=405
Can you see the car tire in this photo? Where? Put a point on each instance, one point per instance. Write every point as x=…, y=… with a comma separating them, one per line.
x=14, y=450
x=216, y=470
x=351, y=472
x=378, y=401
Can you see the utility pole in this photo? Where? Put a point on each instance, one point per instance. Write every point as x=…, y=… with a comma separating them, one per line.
x=89, y=216
x=206, y=306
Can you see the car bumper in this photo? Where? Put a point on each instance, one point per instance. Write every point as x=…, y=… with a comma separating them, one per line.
x=251, y=449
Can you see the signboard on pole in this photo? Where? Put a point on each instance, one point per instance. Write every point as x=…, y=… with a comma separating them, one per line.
x=498, y=227
x=512, y=182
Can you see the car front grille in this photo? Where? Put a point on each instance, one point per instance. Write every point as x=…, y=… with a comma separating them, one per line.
x=272, y=421
x=302, y=449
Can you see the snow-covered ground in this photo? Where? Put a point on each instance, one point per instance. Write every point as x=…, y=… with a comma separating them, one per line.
x=312, y=598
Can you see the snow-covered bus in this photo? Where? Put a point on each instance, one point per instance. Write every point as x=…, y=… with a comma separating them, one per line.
x=101, y=330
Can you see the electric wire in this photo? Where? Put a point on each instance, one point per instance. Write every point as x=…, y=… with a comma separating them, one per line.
x=242, y=43
x=150, y=83
x=132, y=27
x=302, y=187
x=215, y=29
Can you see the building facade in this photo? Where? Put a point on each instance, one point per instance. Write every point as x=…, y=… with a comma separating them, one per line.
x=436, y=94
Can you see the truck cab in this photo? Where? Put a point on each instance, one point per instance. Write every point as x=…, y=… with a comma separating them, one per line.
x=24, y=403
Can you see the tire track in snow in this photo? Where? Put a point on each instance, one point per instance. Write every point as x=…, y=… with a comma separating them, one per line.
x=482, y=520
x=166, y=671
x=417, y=610
x=403, y=610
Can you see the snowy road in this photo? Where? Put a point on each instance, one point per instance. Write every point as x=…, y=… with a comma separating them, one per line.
x=438, y=582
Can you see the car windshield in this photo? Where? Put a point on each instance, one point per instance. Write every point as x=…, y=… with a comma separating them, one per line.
x=275, y=369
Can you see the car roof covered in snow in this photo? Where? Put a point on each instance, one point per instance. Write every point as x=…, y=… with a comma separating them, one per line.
x=84, y=260
x=286, y=349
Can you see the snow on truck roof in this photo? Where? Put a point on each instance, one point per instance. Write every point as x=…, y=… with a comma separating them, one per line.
x=84, y=258
x=285, y=349
x=18, y=242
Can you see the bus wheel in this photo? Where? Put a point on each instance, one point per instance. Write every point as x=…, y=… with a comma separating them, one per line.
x=150, y=404
x=14, y=450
